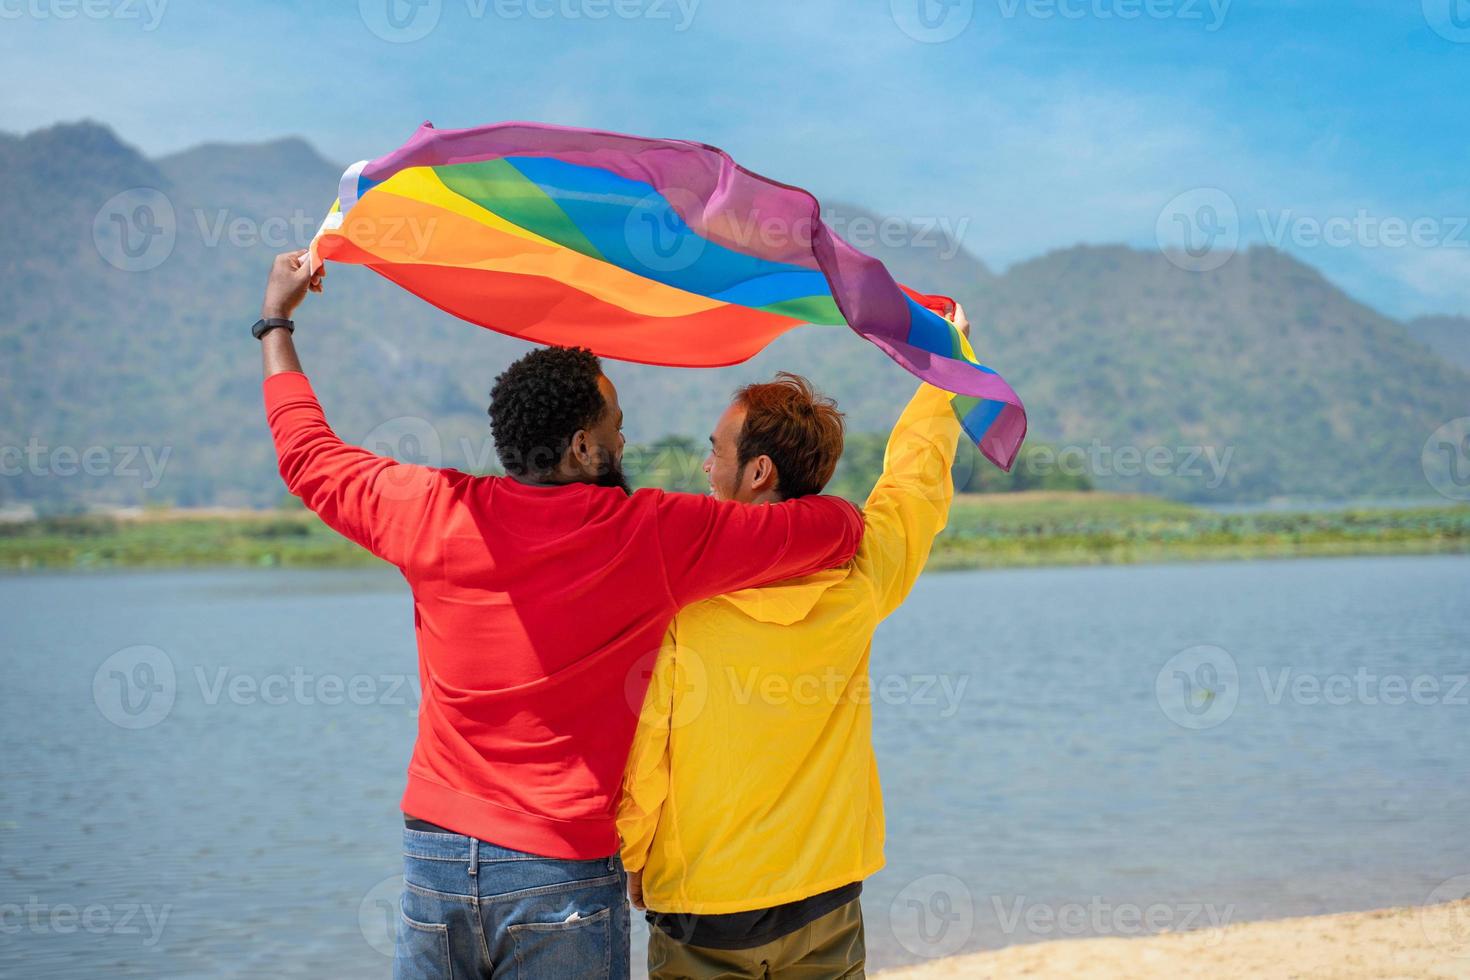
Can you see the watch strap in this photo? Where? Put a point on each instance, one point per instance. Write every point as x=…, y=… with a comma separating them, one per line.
x=267, y=324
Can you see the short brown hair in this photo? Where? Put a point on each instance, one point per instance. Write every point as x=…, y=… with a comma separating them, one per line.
x=801, y=430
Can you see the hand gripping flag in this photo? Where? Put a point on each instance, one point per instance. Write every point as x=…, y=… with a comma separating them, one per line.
x=650, y=250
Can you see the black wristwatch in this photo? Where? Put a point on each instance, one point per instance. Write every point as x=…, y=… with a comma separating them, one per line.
x=263, y=327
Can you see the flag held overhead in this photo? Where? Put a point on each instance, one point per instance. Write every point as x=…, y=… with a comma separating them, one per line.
x=650, y=250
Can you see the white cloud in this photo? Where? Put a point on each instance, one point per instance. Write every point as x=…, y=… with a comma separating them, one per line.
x=1439, y=278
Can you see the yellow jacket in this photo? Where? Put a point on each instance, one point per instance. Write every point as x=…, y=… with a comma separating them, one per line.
x=752, y=781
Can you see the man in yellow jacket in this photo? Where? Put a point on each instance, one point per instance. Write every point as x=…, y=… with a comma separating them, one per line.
x=751, y=811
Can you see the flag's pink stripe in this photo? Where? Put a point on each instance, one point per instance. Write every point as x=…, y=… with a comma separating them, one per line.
x=695, y=179
x=959, y=377
x=1002, y=441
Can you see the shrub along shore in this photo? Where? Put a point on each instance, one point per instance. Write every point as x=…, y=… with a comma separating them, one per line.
x=985, y=531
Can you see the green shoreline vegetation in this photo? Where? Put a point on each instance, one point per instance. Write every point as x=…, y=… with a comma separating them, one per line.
x=1003, y=530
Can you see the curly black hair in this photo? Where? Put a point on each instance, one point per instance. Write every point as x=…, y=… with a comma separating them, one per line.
x=539, y=403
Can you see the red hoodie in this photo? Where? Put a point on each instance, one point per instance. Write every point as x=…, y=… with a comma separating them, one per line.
x=539, y=611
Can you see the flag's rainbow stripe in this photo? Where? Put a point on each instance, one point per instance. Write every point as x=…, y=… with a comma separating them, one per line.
x=657, y=251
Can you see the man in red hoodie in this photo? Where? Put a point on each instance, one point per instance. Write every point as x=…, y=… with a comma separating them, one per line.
x=540, y=599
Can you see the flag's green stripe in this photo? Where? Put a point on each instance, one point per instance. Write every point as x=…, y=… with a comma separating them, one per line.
x=499, y=187
x=962, y=405
x=813, y=309
x=956, y=351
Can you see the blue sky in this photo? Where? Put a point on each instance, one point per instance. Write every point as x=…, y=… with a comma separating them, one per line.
x=1027, y=125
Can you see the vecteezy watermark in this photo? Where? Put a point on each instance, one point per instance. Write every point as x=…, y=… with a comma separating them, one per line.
x=1364, y=229
x=679, y=13
x=417, y=441
x=220, y=226
x=1097, y=916
x=1099, y=460
x=1201, y=687
x=299, y=686
x=378, y=913
x=1198, y=688
x=830, y=686
x=683, y=685
x=138, y=230
x=1199, y=230
x=148, y=13
x=684, y=680
x=933, y=916
x=1449, y=932
x=932, y=21
x=135, y=687
x=656, y=233
x=408, y=439
x=941, y=234
x=1363, y=686
x=1450, y=19
x=96, y=919
x=410, y=237
x=1446, y=459
x=400, y=21
x=135, y=230
x=139, y=687
x=405, y=21
x=1208, y=13
x=124, y=462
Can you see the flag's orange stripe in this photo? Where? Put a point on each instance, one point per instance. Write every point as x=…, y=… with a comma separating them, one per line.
x=404, y=231
x=546, y=311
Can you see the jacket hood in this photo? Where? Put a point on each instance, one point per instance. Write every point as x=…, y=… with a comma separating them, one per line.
x=785, y=603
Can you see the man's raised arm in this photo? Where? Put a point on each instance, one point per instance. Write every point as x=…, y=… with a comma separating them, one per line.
x=372, y=500
x=712, y=546
x=909, y=505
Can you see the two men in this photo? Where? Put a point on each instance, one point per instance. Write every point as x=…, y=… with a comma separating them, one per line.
x=750, y=821
x=537, y=596
x=752, y=810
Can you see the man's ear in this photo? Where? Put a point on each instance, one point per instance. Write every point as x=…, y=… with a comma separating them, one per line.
x=762, y=474
x=580, y=450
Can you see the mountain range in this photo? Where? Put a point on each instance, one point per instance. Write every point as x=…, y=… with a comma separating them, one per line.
x=129, y=283
x=1449, y=336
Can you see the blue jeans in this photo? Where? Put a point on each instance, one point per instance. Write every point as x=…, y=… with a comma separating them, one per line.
x=476, y=910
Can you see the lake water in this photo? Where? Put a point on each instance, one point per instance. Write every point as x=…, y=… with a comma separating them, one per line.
x=202, y=769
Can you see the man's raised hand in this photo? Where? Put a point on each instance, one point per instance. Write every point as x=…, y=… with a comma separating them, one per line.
x=290, y=279
x=960, y=321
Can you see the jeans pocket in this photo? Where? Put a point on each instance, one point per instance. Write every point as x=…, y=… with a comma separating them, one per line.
x=580, y=947
x=422, y=951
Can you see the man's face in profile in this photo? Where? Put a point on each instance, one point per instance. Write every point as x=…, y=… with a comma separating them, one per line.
x=722, y=465
x=606, y=441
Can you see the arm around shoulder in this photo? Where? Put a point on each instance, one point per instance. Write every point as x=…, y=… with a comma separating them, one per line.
x=711, y=546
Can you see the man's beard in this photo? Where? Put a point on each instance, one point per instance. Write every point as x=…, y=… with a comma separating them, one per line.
x=610, y=474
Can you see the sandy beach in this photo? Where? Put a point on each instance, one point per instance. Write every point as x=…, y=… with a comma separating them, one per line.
x=1428, y=942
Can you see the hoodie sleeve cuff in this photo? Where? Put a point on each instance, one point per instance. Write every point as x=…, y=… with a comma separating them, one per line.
x=286, y=386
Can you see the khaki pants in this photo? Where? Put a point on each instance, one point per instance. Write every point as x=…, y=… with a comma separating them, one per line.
x=830, y=948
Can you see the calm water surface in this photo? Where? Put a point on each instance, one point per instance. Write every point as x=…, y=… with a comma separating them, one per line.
x=202, y=769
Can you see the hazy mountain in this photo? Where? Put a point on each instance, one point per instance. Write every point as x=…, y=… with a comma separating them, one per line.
x=125, y=325
x=1448, y=336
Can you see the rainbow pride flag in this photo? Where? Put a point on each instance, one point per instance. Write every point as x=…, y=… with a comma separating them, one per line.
x=649, y=250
